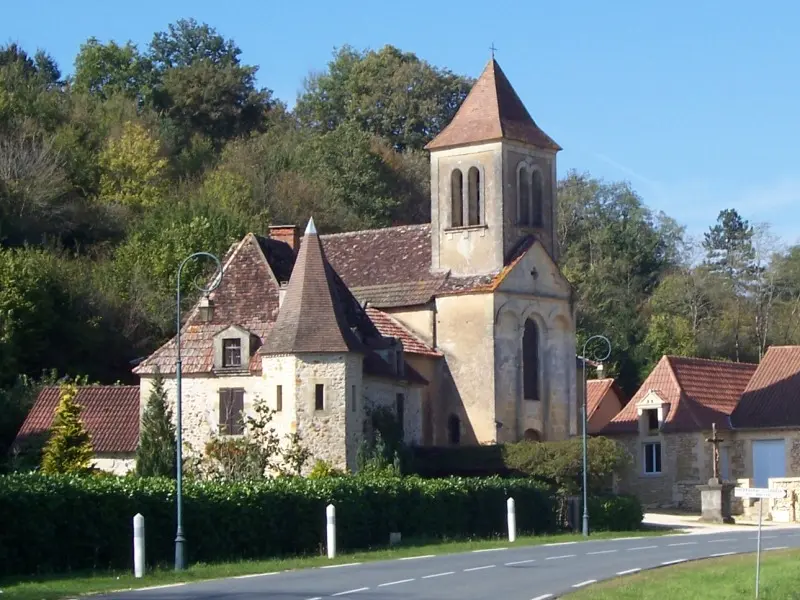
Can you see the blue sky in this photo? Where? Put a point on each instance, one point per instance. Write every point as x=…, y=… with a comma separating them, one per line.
x=694, y=102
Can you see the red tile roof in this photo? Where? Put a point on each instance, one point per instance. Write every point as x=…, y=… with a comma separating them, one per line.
x=312, y=317
x=596, y=390
x=772, y=397
x=110, y=414
x=699, y=391
x=391, y=327
x=492, y=111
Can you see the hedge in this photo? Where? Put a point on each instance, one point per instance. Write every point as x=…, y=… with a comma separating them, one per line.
x=62, y=523
x=615, y=513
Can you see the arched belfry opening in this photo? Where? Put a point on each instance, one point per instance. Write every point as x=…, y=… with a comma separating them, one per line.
x=530, y=360
x=456, y=198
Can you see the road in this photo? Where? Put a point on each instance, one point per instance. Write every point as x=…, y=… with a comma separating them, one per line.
x=516, y=573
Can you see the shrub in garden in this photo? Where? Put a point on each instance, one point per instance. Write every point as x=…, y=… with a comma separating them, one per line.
x=615, y=513
x=69, y=449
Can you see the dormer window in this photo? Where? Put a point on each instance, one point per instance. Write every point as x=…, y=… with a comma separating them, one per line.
x=231, y=352
x=652, y=419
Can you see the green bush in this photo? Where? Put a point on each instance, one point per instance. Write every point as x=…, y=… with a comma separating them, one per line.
x=66, y=522
x=615, y=513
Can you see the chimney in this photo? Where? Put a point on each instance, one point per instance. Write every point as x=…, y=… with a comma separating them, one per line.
x=286, y=233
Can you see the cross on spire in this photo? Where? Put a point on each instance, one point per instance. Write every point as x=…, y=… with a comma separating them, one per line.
x=492, y=48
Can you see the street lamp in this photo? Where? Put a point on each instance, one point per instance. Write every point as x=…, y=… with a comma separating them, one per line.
x=180, y=540
x=585, y=426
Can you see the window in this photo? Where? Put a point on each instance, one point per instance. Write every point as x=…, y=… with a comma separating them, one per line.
x=537, y=196
x=319, y=397
x=354, y=403
x=652, y=458
x=524, y=195
x=231, y=409
x=530, y=360
x=232, y=352
x=475, y=200
x=279, y=398
x=400, y=401
x=456, y=198
x=454, y=429
x=652, y=419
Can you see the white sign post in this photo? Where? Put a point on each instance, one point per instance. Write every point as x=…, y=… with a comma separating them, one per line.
x=138, y=545
x=330, y=517
x=512, y=520
x=761, y=494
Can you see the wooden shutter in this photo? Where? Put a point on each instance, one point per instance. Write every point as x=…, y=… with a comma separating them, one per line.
x=225, y=396
x=237, y=414
x=231, y=411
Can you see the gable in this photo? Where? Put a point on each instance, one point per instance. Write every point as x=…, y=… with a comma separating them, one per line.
x=535, y=272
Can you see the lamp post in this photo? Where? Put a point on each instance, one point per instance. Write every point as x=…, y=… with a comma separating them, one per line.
x=585, y=426
x=180, y=540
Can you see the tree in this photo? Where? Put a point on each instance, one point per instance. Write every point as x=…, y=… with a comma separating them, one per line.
x=388, y=93
x=156, y=455
x=69, y=449
x=104, y=70
x=132, y=169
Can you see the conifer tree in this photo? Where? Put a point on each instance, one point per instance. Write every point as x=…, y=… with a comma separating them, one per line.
x=69, y=449
x=156, y=455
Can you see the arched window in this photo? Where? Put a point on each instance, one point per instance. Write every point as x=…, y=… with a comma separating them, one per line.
x=524, y=195
x=454, y=429
x=530, y=361
x=456, y=198
x=532, y=435
x=537, y=192
x=475, y=200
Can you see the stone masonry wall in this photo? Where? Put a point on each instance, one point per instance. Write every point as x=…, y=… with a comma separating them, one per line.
x=383, y=393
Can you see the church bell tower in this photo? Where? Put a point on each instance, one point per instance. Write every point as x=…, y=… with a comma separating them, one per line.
x=493, y=180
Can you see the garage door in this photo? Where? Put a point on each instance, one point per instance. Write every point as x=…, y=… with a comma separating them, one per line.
x=769, y=460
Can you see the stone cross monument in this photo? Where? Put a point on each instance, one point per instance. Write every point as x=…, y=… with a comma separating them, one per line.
x=715, y=441
x=715, y=497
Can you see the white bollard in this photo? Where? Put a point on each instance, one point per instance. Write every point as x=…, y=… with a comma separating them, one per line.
x=138, y=545
x=330, y=513
x=512, y=520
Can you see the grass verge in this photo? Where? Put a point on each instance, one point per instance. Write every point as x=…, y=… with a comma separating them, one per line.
x=727, y=578
x=62, y=586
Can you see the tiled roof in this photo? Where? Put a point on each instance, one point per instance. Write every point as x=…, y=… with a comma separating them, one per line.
x=596, y=389
x=772, y=398
x=492, y=111
x=699, y=391
x=312, y=317
x=247, y=296
x=110, y=414
x=391, y=327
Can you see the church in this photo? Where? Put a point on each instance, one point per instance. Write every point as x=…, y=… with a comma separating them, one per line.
x=464, y=327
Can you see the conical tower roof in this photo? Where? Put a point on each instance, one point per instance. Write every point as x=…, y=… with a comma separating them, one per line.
x=311, y=318
x=492, y=111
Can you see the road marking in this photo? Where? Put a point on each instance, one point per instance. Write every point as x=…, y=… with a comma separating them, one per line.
x=394, y=582
x=777, y=548
x=559, y=544
x=438, y=575
x=343, y=565
x=316, y=598
x=416, y=557
x=364, y=589
x=602, y=552
x=583, y=583
x=520, y=562
x=763, y=537
x=543, y=597
x=683, y=544
x=158, y=587
x=673, y=562
x=629, y=571
x=255, y=575
x=490, y=549
x=722, y=554
x=722, y=540
x=623, y=539
x=562, y=556
x=642, y=548
x=479, y=568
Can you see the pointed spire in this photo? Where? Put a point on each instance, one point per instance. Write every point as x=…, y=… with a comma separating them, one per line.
x=492, y=111
x=311, y=229
x=311, y=318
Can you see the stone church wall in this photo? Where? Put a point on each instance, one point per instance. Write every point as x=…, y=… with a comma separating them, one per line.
x=383, y=393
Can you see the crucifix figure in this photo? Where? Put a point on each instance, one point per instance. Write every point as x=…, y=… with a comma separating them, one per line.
x=716, y=442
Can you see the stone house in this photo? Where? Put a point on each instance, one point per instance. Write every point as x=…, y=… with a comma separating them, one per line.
x=464, y=326
x=605, y=400
x=111, y=417
x=756, y=410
